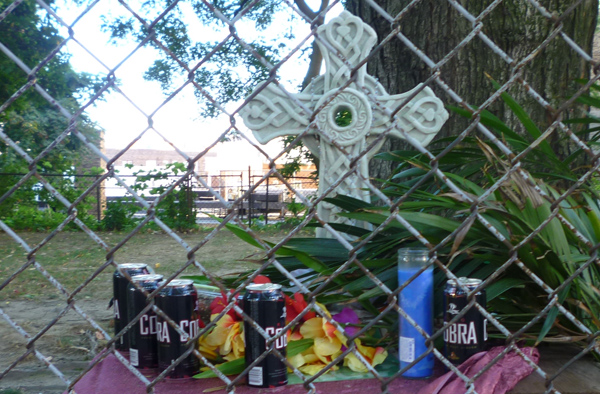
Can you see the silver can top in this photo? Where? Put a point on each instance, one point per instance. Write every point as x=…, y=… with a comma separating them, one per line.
x=147, y=278
x=180, y=283
x=263, y=287
x=468, y=282
x=133, y=266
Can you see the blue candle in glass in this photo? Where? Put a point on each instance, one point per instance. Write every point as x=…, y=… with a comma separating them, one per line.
x=416, y=299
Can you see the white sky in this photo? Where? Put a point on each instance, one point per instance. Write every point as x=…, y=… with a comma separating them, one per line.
x=179, y=119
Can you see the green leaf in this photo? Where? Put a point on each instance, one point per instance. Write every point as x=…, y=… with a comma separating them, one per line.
x=304, y=258
x=349, y=203
x=589, y=120
x=413, y=218
x=468, y=269
x=526, y=121
x=350, y=230
x=374, y=292
x=553, y=233
x=322, y=247
x=587, y=100
x=503, y=285
x=549, y=322
x=497, y=224
x=307, y=260
x=595, y=222
x=296, y=347
x=242, y=234
x=228, y=368
x=467, y=184
x=364, y=282
x=584, y=81
x=490, y=120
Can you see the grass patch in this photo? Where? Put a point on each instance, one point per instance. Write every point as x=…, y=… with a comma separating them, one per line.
x=73, y=257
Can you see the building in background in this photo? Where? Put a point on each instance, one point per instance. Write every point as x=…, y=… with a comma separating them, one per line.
x=229, y=168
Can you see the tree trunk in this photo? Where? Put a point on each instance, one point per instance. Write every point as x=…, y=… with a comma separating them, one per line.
x=516, y=26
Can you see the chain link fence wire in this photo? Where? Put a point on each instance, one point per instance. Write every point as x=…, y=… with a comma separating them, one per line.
x=236, y=213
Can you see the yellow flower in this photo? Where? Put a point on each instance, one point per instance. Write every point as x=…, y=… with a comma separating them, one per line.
x=327, y=345
x=210, y=352
x=226, y=339
x=308, y=362
x=373, y=356
x=234, y=348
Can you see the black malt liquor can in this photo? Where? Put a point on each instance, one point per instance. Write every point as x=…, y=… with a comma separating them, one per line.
x=179, y=301
x=468, y=335
x=142, y=336
x=265, y=304
x=120, y=299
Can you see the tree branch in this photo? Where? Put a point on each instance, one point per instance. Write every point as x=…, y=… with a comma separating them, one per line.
x=306, y=10
x=314, y=67
x=316, y=57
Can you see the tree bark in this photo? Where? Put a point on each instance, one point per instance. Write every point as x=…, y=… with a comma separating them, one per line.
x=516, y=26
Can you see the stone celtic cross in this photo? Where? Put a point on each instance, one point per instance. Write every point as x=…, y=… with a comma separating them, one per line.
x=272, y=113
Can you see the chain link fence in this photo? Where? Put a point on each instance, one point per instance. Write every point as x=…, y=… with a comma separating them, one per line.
x=512, y=250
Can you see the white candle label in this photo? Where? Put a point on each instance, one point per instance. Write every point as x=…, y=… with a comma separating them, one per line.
x=407, y=349
x=134, y=357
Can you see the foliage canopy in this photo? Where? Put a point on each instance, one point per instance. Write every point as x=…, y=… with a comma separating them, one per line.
x=29, y=119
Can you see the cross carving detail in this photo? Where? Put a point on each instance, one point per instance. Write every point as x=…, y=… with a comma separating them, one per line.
x=271, y=113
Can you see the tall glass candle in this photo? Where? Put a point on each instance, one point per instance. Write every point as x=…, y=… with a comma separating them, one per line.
x=416, y=299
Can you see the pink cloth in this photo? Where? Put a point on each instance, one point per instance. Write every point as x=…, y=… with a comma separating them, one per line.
x=111, y=377
x=502, y=377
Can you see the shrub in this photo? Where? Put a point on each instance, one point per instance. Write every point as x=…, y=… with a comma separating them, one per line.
x=118, y=215
x=176, y=209
x=28, y=218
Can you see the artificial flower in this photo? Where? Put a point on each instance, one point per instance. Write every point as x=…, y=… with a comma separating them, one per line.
x=294, y=306
x=259, y=279
x=349, y=320
x=308, y=362
x=225, y=340
x=234, y=346
x=373, y=356
x=327, y=346
x=220, y=303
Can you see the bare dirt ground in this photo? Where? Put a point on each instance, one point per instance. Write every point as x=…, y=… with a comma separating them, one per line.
x=69, y=345
x=32, y=302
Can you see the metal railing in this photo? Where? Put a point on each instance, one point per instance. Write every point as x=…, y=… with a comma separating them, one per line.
x=256, y=184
